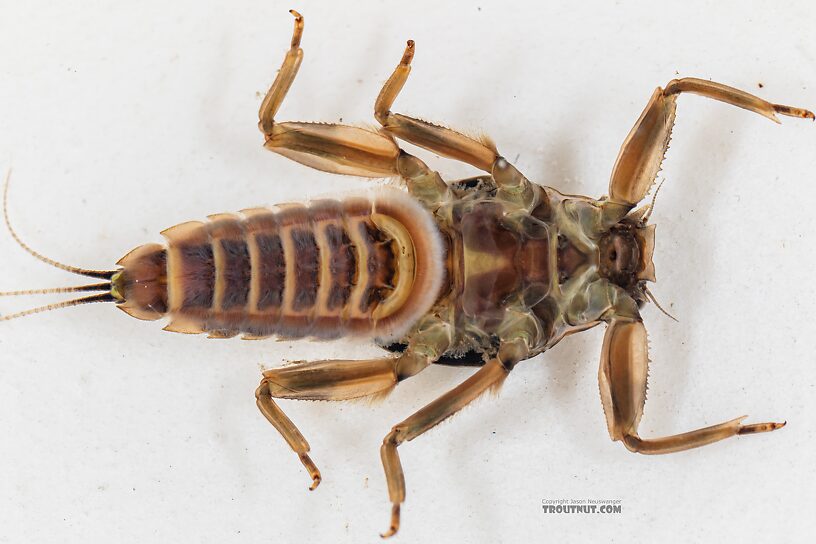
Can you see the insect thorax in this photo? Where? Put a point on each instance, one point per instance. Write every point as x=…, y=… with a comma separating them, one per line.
x=546, y=272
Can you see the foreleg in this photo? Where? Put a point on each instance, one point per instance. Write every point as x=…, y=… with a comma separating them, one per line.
x=643, y=150
x=622, y=378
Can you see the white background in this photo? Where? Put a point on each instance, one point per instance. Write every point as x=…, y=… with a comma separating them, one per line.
x=121, y=119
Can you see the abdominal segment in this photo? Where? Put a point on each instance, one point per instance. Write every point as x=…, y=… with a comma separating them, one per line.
x=363, y=266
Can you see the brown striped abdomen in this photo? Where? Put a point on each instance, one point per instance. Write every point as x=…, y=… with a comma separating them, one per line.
x=363, y=266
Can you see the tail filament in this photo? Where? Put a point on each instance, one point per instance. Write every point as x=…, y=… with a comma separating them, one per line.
x=102, y=274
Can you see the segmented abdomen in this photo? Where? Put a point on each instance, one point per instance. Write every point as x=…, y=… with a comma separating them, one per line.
x=366, y=266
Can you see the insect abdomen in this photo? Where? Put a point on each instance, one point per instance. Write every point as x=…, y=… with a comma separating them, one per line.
x=365, y=266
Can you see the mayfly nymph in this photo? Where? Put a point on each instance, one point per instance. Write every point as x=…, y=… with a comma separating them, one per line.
x=486, y=272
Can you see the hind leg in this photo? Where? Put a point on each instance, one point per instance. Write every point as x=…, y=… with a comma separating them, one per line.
x=343, y=380
x=340, y=149
x=332, y=148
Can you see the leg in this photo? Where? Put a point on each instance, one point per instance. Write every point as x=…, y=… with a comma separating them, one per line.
x=339, y=149
x=622, y=377
x=332, y=148
x=490, y=376
x=342, y=380
x=643, y=150
x=480, y=153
